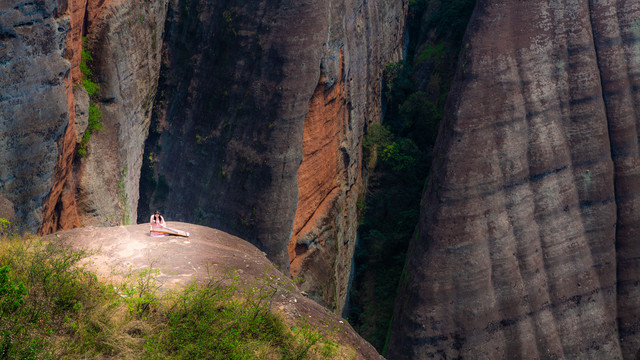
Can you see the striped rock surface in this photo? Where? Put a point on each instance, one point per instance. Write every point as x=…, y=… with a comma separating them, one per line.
x=527, y=244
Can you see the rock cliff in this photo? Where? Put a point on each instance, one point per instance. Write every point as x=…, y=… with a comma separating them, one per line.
x=35, y=94
x=526, y=246
x=246, y=92
x=260, y=113
x=125, y=39
x=41, y=95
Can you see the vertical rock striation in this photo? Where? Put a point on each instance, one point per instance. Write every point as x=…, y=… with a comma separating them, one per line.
x=125, y=39
x=363, y=37
x=526, y=246
x=249, y=88
x=35, y=124
x=40, y=96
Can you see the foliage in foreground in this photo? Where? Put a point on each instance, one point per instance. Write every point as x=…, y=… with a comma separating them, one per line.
x=51, y=307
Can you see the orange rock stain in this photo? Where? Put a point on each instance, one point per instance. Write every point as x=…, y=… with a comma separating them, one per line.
x=60, y=209
x=318, y=186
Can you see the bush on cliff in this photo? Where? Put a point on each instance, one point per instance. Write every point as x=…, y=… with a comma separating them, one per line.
x=52, y=307
x=93, y=89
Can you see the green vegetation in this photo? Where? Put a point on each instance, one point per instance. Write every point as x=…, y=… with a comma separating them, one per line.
x=52, y=307
x=4, y=226
x=400, y=154
x=93, y=89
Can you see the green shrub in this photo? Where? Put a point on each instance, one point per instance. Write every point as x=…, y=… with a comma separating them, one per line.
x=378, y=136
x=451, y=19
x=93, y=89
x=85, y=58
x=401, y=155
x=95, y=114
x=4, y=226
x=11, y=295
x=226, y=319
x=429, y=51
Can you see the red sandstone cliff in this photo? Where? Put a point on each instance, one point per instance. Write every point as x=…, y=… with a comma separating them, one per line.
x=526, y=246
x=241, y=81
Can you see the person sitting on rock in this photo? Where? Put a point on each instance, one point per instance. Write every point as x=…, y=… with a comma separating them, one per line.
x=157, y=219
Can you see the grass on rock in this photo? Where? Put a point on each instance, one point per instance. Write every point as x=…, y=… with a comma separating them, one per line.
x=52, y=307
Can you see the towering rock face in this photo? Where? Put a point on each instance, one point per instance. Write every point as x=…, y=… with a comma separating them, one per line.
x=35, y=93
x=125, y=39
x=261, y=112
x=43, y=108
x=527, y=242
x=249, y=93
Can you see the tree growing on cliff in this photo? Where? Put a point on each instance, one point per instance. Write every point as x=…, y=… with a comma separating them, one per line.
x=93, y=89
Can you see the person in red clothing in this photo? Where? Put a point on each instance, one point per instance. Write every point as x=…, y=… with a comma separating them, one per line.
x=157, y=219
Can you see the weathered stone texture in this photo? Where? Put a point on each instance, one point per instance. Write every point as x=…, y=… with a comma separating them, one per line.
x=125, y=40
x=40, y=57
x=243, y=81
x=34, y=114
x=527, y=242
x=363, y=38
x=7, y=211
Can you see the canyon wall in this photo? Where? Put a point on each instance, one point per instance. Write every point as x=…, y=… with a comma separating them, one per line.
x=258, y=122
x=125, y=40
x=526, y=245
x=249, y=94
x=35, y=94
x=44, y=108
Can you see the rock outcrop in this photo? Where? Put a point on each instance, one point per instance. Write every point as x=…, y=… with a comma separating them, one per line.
x=118, y=251
x=7, y=211
x=254, y=96
x=526, y=246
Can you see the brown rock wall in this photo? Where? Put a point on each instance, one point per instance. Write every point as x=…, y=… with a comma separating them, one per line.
x=60, y=210
x=41, y=60
x=524, y=247
x=618, y=54
x=77, y=11
x=7, y=211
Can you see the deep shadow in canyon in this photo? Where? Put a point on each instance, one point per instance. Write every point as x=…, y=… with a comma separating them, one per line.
x=399, y=154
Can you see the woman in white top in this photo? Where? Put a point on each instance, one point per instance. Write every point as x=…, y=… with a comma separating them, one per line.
x=157, y=219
